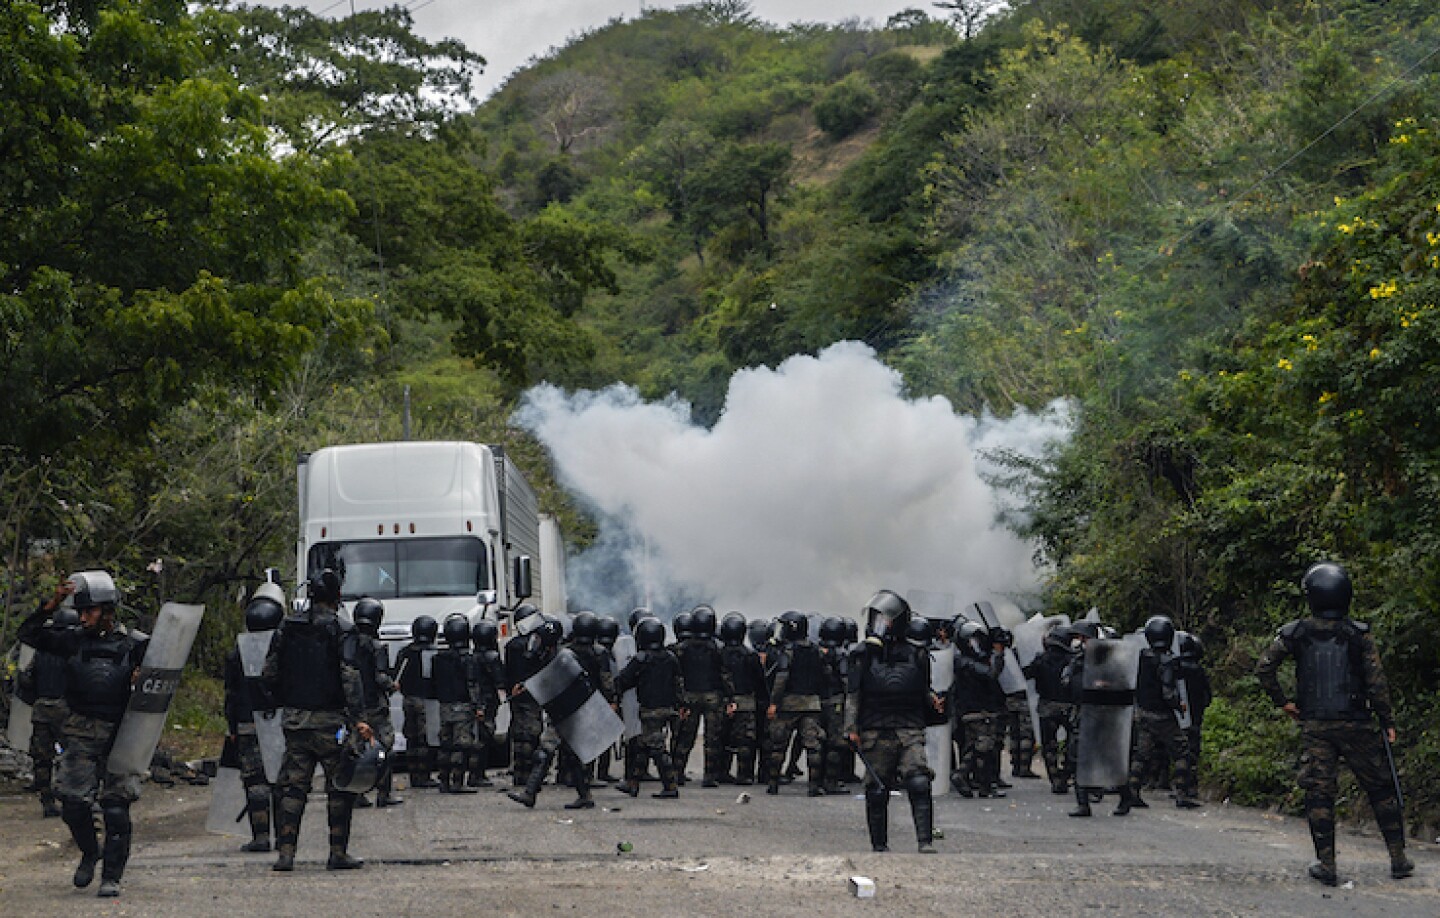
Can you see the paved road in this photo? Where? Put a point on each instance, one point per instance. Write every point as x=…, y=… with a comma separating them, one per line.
x=707, y=854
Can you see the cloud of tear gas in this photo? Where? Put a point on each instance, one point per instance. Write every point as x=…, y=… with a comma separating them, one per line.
x=819, y=484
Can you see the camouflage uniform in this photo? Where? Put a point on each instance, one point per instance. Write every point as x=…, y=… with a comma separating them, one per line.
x=1158, y=735
x=319, y=722
x=527, y=719
x=797, y=699
x=1353, y=738
x=655, y=675
x=47, y=721
x=1017, y=724
x=415, y=691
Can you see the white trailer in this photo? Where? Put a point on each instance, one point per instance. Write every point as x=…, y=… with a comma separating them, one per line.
x=428, y=528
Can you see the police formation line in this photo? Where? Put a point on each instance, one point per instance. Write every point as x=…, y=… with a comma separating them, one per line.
x=319, y=686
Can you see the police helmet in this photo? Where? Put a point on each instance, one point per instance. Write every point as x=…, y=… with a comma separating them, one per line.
x=358, y=774
x=832, y=632
x=758, y=630
x=457, y=630
x=732, y=629
x=918, y=631
x=266, y=608
x=585, y=627
x=852, y=630
x=1327, y=589
x=550, y=632
x=1159, y=632
x=485, y=635
x=324, y=586
x=423, y=629
x=703, y=618
x=795, y=626
x=637, y=616
x=683, y=625
x=368, y=613
x=94, y=588
x=973, y=638
x=1190, y=647
x=607, y=631
x=649, y=634
x=886, y=614
x=64, y=617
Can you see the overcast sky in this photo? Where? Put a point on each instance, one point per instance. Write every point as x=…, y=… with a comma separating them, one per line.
x=507, y=33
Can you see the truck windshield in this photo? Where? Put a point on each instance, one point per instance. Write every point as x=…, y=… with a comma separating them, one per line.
x=400, y=568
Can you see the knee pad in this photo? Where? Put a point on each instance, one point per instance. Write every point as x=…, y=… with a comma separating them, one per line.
x=117, y=818
x=917, y=785
x=294, y=793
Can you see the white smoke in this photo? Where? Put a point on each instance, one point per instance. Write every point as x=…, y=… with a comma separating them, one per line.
x=819, y=484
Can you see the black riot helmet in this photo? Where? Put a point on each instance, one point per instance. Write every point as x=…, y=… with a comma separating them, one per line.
x=973, y=638
x=585, y=628
x=368, y=613
x=457, y=630
x=649, y=634
x=1159, y=633
x=732, y=630
x=852, y=630
x=266, y=608
x=684, y=625
x=549, y=633
x=832, y=632
x=794, y=626
x=324, y=586
x=1058, y=637
x=1002, y=636
x=94, y=588
x=359, y=773
x=485, y=635
x=704, y=621
x=423, y=629
x=607, y=631
x=1327, y=589
x=918, y=631
x=886, y=614
x=758, y=630
x=637, y=616
x=1190, y=647
x=525, y=618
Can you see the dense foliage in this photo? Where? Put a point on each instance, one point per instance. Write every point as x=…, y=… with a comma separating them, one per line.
x=229, y=234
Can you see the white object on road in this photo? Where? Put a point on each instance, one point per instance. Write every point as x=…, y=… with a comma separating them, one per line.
x=862, y=887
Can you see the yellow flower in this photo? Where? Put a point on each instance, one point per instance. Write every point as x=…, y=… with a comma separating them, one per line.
x=1285, y=364
x=1374, y=352
x=1433, y=238
x=1326, y=397
x=1387, y=289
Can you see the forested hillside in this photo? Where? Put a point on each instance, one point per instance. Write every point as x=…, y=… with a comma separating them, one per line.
x=231, y=234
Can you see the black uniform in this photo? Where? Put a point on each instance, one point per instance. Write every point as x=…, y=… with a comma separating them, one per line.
x=415, y=690
x=1197, y=689
x=99, y=669
x=1056, y=712
x=307, y=674
x=490, y=673
x=42, y=686
x=977, y=703
x=889, y=694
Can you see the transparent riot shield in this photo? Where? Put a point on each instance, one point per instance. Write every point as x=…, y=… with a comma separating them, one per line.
x=630, y=700
x=144, y=720
x=227, y=804
x=432, y=705
x=1029, y=643
x=939, y=746
x=1107, y=708
x=580, y=713
x=22, y=726
x=397, y=717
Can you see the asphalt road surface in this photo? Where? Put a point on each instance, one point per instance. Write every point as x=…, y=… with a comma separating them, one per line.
x=709, y=854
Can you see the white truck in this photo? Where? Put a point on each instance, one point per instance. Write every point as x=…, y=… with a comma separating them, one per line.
x=428, y=528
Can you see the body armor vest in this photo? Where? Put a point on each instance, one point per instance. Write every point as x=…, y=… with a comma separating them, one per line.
x=520, y=664
x=1328, y=677
x=46, y=678
x=893, y=688
x=699, y=665
x=656, y=686
x=742, y=665
x=1150, y=682
x=370, y=658
x=807, y=670
x=309, y=665
x=449, y=675
x=97, y=677
x=412, y=677
x=1048, y=671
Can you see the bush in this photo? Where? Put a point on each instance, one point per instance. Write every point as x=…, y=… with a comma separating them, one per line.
x=846, y=107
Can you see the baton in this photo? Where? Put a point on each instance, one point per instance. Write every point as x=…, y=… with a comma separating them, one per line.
x=1394, y=774
x=859, y=754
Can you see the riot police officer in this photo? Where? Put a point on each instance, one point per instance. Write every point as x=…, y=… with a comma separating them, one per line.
x=707, y=694
x=527, y=720
x=244, y=697
x=607, y=632
x=796, y=695
x=371, y=659
x=885, y=709
x=977, y=703
x=1158, y=733
x=747, y=681
x=307, y=673
x=455, y=679
x=654, y=673
x=416, y=689
x=102, y=659
x=837, y=675
x=1054, y=707
x=1340, y=686
x=485, y=638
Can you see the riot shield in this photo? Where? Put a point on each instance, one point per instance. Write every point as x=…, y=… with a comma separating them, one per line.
x=1183, y=716
x=21, y=726
x=630, y=700
x=939, y=748
x=432, y=705
x=1029, y=643
x=253, y=646
x=270, y=734
x=580, y=713
x=227, y=804
x=150, y=699
x=1107, y=708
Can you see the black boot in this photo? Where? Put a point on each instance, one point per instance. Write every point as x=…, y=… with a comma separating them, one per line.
x=385, y=796
x=877, y=817
x=1127, y=801
x=421, y=767
x=339, y=808
x=117, y=847
x=257, y=807
x=531, y=790
x=82, y=828
x=581, y=782
x=666, y=766
x=922, y=807
x=1082, y=802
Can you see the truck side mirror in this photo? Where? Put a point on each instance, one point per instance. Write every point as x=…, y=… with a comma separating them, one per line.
x=522, y=577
